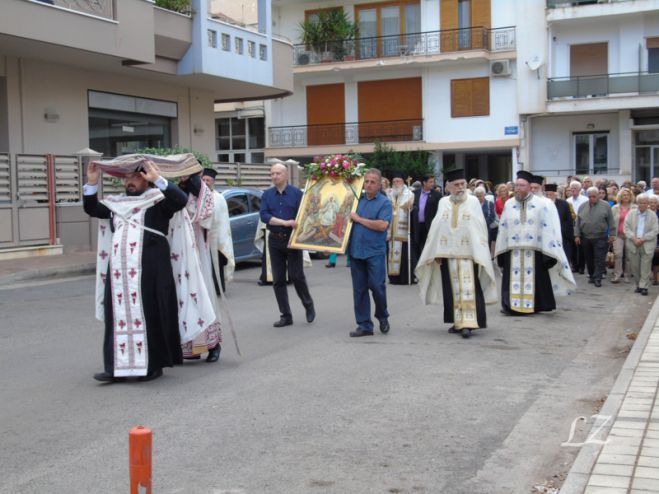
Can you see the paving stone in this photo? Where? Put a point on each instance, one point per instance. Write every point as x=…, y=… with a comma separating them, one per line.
x=610, y=481
x=608, y=469
x=617, y=459
x=647, y=473
x=648, y=461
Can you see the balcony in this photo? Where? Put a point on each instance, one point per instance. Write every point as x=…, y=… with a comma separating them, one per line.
x=630, y=83
x=568, y=10
x=346, y=133
x=99, y=8
x=552, y=4
x=405, y=45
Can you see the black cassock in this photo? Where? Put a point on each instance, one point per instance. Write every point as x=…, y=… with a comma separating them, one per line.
x=159, y=300
x=543, y=293
x=447, y=295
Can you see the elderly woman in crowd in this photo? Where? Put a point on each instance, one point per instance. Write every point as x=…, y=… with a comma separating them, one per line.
x=625, y=203
x=641, y=230
x=490, y=217
x=654, y=203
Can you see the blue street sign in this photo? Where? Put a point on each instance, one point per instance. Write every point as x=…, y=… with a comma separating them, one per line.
x=511, y=131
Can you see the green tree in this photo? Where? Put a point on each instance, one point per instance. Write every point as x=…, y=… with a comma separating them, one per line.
x=413, y=164
x=201, y=157
x=181, y=6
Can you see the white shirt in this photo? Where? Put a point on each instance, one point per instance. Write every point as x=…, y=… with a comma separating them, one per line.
x=576, y=203
x=640, y=226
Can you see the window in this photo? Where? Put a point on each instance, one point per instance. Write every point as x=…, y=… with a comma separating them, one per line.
x=254, y=203
x=381, y=27
x=212, y=38
x=591, y=153
x=226, y=42
x=257, y=158
x=464, y=23
x=256, y=132
x=653, y=55
x=470, y=97
x=237, y=205
x=242, y=138
x=263, y=52
x=251, y=49
x=223, y=158
x=239, y=46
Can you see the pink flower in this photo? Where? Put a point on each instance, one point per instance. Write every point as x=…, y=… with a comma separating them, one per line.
x=322, y=166
x=346, y=165
x=333, y=173
x=333, y=162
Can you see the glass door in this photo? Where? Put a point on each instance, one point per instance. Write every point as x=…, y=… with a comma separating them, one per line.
x=368, y=31
x=390, y=31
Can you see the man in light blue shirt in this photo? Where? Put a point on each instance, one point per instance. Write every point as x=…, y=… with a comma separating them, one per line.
x=368, y=255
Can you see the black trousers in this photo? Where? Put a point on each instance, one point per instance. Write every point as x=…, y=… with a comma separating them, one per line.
x=418, y=242
x=595, y=250
x=578, y=259
x=283, y=259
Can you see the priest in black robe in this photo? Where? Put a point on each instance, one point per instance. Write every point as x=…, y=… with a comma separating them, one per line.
x=159, y=304
x=530, y=252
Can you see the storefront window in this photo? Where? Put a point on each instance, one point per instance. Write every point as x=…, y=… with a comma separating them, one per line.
x=242, y=139
x=591, y=153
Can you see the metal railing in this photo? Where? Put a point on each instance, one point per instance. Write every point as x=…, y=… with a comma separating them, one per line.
x=602, y=85
x=403, y=45
x=346, y=133
x=553, y=4
x=100, y=8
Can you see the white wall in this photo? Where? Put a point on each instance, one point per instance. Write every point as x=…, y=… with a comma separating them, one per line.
x=551, y=139
x=531, y=39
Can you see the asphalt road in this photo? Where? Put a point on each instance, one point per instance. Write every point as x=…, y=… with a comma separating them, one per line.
x=308, y=409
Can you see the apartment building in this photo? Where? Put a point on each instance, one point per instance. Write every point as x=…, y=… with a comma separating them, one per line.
x=421, y=74
x=594, y=107
x=115, y=76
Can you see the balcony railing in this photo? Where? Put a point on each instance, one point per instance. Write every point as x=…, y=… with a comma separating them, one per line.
x=603, y=85
x=346, y=133
x=552, y=4
x=414, y=44
x=100, y=8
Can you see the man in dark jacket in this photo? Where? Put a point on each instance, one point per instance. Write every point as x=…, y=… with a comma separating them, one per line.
x=424, y=209
x=565, y=216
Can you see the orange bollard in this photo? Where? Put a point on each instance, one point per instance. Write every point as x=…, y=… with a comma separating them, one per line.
x=139, y=451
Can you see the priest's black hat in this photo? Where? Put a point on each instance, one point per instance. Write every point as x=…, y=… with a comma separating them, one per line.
x=397, y=174
x=537, y=179
x=524, y=175
x=209, y=172
x=551, y=187
x=454, y=175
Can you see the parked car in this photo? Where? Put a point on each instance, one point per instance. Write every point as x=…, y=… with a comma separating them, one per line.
x=244, y=204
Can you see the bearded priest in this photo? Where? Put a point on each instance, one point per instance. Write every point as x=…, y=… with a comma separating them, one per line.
x=529, y=250
x=398, y=236
x=456, y=260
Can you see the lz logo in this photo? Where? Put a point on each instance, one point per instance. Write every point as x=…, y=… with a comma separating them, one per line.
x=591, y=438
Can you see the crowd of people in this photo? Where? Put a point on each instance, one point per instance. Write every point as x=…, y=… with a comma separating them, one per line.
x=165, y=252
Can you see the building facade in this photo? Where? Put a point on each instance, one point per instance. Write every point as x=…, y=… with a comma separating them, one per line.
x=421, y=74
x=115, y=76
x=593, y=108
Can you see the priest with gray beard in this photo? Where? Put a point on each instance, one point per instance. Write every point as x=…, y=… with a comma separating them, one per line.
x=398, y=235
x=455, y=267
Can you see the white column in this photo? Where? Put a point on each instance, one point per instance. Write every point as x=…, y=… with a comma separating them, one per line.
x=625, y=144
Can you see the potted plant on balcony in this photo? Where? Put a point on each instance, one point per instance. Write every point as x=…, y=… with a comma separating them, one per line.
x=330, y=35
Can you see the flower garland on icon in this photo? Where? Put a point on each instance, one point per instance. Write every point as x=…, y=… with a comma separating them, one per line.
x=335, y=166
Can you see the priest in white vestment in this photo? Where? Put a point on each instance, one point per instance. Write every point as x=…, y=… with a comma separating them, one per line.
x=455, y=266
x=398, y=235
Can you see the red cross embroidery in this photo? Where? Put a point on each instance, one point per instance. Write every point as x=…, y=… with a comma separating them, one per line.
x=139, y=347
x=119, y=297
x=200, y=322
x=187, y=275
x=180, y=303
x=133, y=295
x=179, y=278
x=174, y=256
x=185, y=327
x=132, y=246
x=194, y=297
x=122, y=348
x=122, y=324
x=103, y=254
x=136, y=210
x=103, y=277
x=137, y=322
x=132, y=272
x=103, y=227
x=117, y=274
x=116, y=246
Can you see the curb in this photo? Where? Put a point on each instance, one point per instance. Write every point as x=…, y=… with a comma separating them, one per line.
x=49, y=273
x=581, y=469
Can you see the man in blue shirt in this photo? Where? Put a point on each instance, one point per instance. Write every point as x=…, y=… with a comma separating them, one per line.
x=279, y=205
x=368, y=255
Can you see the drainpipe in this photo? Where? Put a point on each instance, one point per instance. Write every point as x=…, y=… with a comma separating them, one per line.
x=52, y=220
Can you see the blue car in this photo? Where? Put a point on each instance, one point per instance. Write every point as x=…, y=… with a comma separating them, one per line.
x=244, y=205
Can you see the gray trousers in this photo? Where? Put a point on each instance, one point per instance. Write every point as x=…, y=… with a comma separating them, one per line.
x=641, y=265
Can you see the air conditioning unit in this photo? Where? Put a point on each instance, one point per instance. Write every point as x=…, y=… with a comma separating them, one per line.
x=500, y=68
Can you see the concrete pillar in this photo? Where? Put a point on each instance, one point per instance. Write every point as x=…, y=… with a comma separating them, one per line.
x=625, y=144
x=436, y=160
x=515, y=163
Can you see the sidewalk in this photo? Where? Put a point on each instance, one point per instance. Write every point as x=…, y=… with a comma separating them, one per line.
x=47, y=267
x=628, y=461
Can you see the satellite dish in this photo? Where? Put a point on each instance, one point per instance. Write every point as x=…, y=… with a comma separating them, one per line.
x=534, y=64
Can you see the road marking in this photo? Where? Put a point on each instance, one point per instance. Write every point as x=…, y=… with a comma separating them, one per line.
x=38, y=283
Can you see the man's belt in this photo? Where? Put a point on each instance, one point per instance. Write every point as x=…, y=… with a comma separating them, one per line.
x=285, y=235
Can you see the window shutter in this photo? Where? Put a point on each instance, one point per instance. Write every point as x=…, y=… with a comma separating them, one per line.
x=480, y=96
x=652, y=42
x=470, y=97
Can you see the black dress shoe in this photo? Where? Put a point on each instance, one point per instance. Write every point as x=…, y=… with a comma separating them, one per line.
x=581, y=271
x=283, y=322
x=193, y=357
x=214, y=354
x=151, y=375
x=452, y=329
x=638, y=290
x=384, y=326
x=597, y=283
x=330, y=265
x=310, y=313
x=465, y=333
x=644, y=291
x=104, y=377
x=263, y=283
x=360, y=332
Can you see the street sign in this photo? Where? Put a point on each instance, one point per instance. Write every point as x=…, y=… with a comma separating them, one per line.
x=511, y=131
